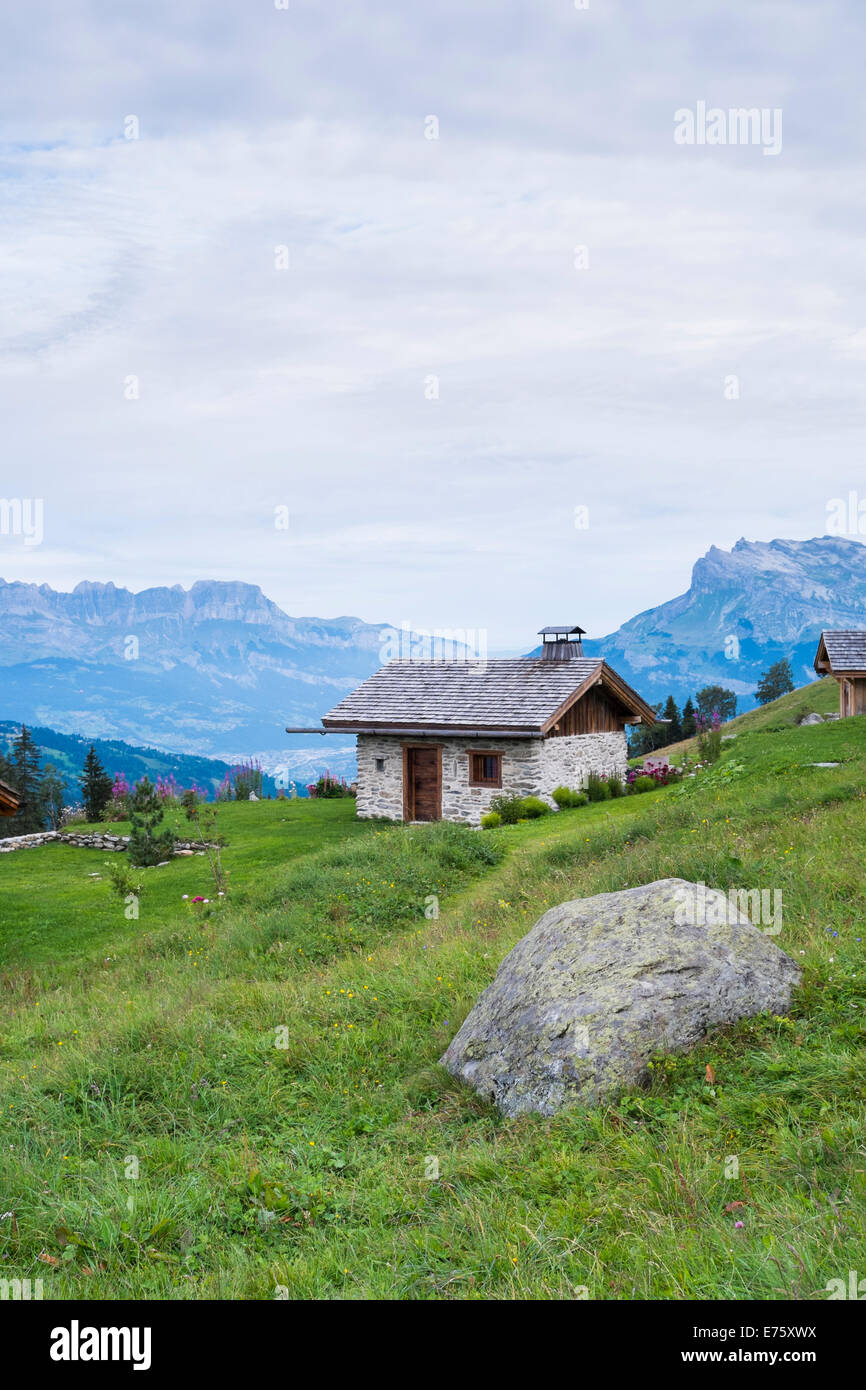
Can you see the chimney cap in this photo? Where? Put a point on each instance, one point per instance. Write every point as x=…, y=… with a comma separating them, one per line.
x=562, y=630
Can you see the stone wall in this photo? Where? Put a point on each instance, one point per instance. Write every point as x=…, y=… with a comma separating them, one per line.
x=531, y=766
x=41, y=837
x=94, y=840
x=570, y=766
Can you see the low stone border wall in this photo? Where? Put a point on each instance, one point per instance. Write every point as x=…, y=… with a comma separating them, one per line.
x=27, y=841
x=96, y=840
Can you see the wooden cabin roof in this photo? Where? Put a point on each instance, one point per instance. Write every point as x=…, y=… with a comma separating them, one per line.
x=9, y=800
x=513, y=697
x=840, y=652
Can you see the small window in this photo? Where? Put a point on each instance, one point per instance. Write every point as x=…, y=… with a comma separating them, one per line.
x=485, y=769
x=380, y=764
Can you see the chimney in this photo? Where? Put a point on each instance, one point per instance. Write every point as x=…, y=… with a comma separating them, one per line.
x=561, y=642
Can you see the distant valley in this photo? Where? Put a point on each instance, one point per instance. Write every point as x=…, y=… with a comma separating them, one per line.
x=66, y=752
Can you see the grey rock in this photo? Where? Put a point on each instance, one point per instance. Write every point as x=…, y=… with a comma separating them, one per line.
x=599, y=985
x=810, y=719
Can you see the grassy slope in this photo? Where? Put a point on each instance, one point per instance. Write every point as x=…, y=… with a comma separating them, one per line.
x=305, y=1165
x=47, y=915
x=821, y=697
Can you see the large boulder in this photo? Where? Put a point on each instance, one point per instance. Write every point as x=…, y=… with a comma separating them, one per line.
x=599, y=985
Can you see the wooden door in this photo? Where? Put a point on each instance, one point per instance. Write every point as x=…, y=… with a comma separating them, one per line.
x=422, y=783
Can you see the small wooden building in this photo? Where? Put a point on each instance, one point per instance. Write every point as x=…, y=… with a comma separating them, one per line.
x=843, y=656
x=437, y=740
x=9, y=800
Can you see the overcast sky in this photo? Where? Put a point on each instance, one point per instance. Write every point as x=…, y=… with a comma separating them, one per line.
x=168, y=387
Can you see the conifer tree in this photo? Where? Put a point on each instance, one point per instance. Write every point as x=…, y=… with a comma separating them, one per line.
x=26, y=779
x=688, y=724
x=147, y=844
x=95, y=786
x=673, y=729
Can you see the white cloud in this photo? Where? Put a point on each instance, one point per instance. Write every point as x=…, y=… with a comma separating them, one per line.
x=412, y=259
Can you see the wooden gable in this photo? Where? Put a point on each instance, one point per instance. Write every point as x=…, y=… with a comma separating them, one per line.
x=603, y=703
x=596, y=712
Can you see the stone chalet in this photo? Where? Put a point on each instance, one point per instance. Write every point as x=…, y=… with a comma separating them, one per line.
x=438, y=739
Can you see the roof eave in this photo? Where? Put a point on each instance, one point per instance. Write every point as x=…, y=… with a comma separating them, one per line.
x=432, y=731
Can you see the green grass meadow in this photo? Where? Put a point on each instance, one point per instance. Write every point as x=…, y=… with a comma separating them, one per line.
x=228, y=1101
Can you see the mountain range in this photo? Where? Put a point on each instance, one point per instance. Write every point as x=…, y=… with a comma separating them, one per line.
x=744, y=609
x=219, y=670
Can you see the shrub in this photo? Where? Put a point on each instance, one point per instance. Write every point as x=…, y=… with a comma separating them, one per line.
x=224, y=790
x=330, y=787
x=118, y=806
x=644, y=783
x=597, y=788
x=660, y=774
x=709, y=736
x=121, y=878
x=616, y=787
x=508, y=808
x=245, y=778
x=532, y=807
x=567, y=797
x=491, y=820
x=204, y=819
x=664, y=775
x=513, y=808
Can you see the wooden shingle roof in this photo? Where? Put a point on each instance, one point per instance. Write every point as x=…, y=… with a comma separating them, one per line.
x=841, y=651
x=516, y=697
